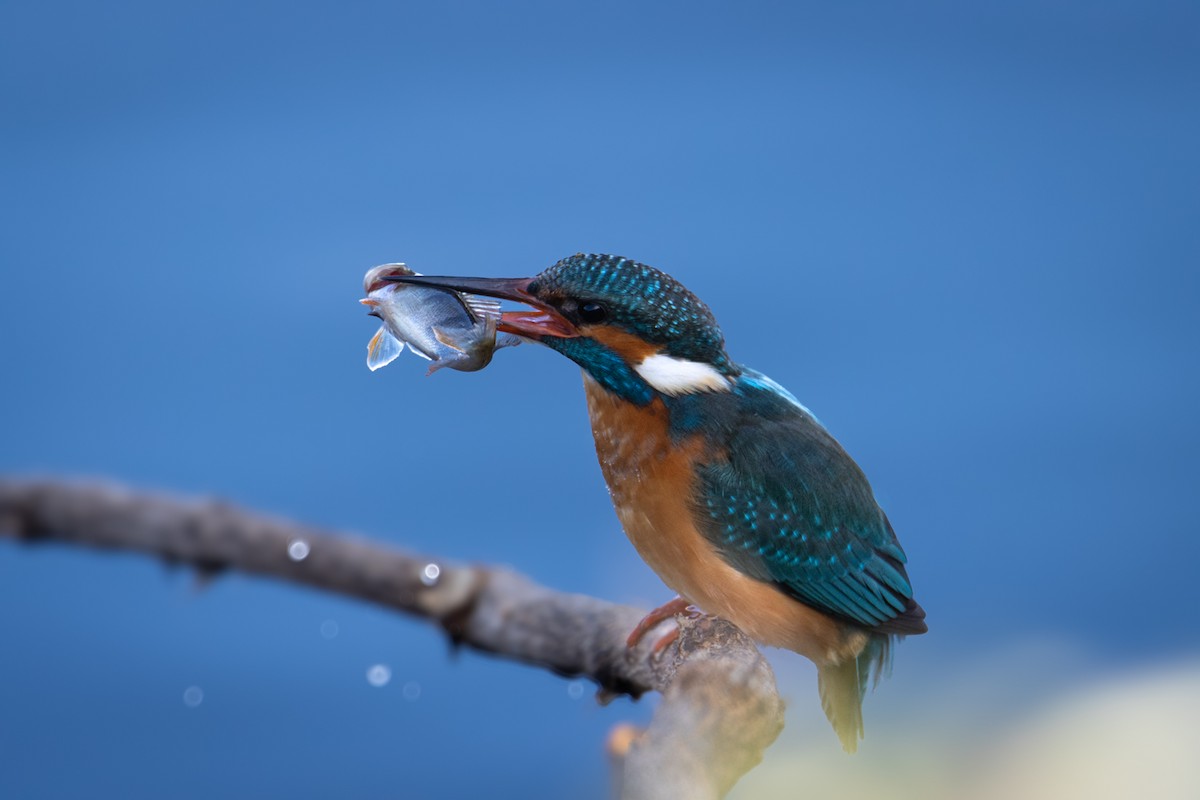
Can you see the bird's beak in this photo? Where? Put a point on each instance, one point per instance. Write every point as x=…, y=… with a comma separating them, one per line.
x=545, y=321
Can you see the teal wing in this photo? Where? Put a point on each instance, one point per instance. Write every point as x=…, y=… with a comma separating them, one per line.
x=788, y=506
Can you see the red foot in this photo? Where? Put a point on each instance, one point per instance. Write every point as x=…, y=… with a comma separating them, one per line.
x=664, y=612
x=661, y=642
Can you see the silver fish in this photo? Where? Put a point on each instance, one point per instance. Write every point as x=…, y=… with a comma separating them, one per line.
x=451, y=329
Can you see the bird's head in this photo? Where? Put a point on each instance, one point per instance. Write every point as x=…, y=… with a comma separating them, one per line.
x=635, y=330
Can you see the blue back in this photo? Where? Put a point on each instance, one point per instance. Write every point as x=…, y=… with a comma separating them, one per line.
x=785, y=504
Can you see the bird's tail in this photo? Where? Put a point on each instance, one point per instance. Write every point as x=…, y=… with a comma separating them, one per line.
x=843, y=686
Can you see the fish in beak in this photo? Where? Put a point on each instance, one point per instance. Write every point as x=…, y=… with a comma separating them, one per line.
x=446, y=327
x=543, y=321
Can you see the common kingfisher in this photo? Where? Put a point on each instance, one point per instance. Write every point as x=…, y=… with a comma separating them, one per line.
x=729, y=488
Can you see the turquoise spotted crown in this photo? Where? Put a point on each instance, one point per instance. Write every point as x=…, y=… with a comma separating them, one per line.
x=645, y=301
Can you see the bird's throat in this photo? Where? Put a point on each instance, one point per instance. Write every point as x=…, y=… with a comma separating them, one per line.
x=606, y=367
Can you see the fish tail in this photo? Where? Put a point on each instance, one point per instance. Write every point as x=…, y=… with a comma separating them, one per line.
x=383, y=349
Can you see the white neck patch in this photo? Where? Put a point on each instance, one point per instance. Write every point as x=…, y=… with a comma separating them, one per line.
x=674, y=376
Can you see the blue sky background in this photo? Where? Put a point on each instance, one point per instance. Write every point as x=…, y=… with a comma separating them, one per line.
x=963, y=234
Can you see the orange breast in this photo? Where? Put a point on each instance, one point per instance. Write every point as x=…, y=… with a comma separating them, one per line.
x=652, y=483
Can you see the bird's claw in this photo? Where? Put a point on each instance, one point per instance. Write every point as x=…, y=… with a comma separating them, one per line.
x=664, y=641
x=674, y=608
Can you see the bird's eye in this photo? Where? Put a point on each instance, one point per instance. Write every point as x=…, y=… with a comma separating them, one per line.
x=592, y=312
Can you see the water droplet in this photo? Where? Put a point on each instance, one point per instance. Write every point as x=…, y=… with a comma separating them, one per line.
x=193, y=696
x=411, y=691
x=575, y=690
x=298, y=550
x=329, y=629
x=430, y=574
x=379, y=675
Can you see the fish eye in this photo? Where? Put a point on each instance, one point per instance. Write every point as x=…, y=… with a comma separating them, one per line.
x=592, y=312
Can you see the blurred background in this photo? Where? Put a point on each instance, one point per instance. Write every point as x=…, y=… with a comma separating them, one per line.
x=965, y=235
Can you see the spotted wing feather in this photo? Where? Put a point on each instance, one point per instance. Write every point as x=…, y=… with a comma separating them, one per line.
x=787, y=505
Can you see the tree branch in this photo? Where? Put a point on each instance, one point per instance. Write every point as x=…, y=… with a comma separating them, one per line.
x=720, y=708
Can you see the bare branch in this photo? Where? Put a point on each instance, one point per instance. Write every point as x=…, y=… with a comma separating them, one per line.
x=720, y=708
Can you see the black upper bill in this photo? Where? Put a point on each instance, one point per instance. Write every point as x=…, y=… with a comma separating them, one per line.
x=503, y=288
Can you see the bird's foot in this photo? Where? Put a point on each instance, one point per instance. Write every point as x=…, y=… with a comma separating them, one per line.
x=670, y=610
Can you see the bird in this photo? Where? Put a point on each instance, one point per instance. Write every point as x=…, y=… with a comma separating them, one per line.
x=728, y=487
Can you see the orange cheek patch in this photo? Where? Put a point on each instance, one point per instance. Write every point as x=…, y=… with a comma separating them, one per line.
x=628, y=346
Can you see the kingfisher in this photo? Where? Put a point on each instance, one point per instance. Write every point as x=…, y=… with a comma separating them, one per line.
x=729, y=488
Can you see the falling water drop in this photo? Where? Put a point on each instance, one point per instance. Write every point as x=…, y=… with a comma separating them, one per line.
x=430, y=574
x=193, y=696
